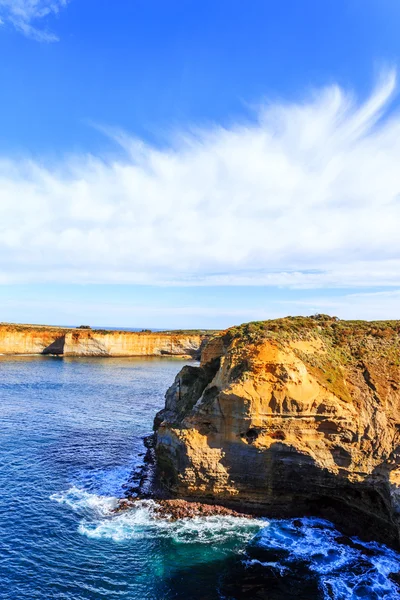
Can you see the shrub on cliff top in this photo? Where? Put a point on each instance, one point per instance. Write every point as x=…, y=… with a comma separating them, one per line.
x=345, y=343
x=302, y=327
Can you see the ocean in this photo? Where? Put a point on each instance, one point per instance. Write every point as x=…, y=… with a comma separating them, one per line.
x=71, y=434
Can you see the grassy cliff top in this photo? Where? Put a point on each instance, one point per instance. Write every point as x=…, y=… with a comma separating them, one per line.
x=28, y=327
x=346, y=345
x=335, y=330
x=11, y=327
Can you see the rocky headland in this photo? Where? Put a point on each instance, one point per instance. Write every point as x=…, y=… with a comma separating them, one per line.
x=63, y=341
x=290, y=417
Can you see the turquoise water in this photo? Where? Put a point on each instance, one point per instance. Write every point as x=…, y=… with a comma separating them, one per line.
x=71, y=434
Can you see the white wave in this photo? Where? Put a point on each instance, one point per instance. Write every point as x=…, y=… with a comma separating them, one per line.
x=140, y=521
x=79, y=499
x=313, y=543
x=130, y=524
x=271, y=564
x=345, y=572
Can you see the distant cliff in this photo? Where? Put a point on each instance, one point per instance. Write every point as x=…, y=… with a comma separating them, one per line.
x=289, y=417
x=32, y=339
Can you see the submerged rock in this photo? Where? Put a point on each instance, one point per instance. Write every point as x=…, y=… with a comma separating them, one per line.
x=291, y=417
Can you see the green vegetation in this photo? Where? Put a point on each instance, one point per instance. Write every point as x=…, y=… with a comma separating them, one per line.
x=55, y=328
x=208, y=332
x=302, y=328
x=25, y=327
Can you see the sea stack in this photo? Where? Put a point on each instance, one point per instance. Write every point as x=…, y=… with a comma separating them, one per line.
x=290, y=417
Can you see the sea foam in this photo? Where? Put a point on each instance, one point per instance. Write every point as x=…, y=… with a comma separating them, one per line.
x=79, y=499
x=345, y=571
x=139, y=522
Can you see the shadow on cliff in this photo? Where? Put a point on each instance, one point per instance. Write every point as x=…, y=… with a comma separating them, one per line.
x=280, y=482
x=56, y=347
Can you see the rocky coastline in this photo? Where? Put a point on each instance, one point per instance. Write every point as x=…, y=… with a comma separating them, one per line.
x=144, y=485
x=286, y=418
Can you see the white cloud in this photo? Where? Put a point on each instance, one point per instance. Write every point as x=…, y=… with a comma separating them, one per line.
x=308, y=195
x=367, y=305
x=24, y=14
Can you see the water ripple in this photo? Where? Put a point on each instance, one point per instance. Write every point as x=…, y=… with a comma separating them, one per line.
x=71, y=434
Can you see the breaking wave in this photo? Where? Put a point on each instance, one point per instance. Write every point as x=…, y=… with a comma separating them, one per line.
x=346, y=569
x=79, y=499
x=140, y=522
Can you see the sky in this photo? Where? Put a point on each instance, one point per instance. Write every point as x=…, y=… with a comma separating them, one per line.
x=198, y=163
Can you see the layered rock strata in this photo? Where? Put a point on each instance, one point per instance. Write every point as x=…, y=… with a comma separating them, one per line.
x=290, y=417
x=30, y=339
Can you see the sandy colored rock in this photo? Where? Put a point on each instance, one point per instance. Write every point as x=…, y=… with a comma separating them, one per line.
x=289, y=417
x=30, y=339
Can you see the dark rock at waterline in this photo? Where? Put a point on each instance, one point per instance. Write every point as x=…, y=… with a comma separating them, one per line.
x=181, y=509
x=347, y=541
x=297, y=416
x=395, y=577
x=255, y=581
x=149, y=441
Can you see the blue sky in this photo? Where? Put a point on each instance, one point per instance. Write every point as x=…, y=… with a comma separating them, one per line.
x=198, y=163
x=149, y=66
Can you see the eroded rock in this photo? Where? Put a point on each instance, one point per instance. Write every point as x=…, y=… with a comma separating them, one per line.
x=175, y=509
x=290, y=417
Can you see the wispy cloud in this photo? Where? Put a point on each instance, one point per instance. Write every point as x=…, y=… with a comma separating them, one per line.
x=306, y=196
x=25, y=14
x=366, y=305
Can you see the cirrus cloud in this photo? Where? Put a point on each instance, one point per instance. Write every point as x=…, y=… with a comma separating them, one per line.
x=24, y=14
x=306, y=195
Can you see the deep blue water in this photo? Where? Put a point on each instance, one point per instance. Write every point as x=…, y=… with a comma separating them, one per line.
x=70, y=435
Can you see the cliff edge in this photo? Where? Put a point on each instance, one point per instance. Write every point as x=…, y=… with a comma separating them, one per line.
x=63, y=341
x=289, y=417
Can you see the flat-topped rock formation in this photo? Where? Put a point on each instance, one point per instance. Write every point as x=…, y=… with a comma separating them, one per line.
x=36, y=339
x=291, y=417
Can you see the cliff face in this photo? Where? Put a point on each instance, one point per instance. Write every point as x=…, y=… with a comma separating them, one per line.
x=19, y=339
x=290, y=417
x=87, y=343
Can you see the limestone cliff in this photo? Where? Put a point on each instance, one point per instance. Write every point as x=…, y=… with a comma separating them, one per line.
x=287, y=417
x=32, y=339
